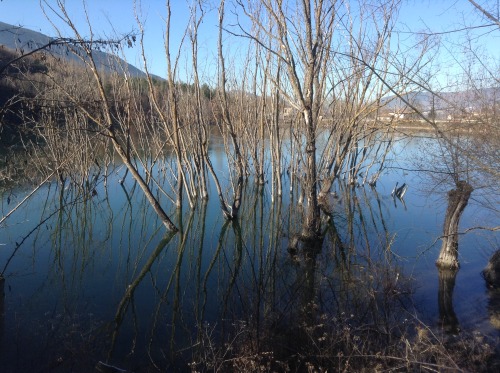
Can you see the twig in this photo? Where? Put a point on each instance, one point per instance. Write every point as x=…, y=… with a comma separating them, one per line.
x=492, y=229
x=27, y=197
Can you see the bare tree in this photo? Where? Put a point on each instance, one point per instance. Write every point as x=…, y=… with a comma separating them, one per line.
x=301, y=43
x=228, y=130
x=201, y=129
x=465, y=120
x=102, y=114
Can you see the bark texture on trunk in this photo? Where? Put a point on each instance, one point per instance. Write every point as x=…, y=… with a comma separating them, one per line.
x=457, y=201
x=312, y=223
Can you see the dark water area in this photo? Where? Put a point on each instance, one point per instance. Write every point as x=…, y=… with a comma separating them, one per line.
x=93, y=278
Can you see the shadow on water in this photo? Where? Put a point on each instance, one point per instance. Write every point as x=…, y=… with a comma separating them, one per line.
x=309, y=308
x=128, y=297
x=2, y=306
x=447, y=317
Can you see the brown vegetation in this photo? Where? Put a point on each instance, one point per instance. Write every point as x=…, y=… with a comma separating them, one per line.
x=332, y=74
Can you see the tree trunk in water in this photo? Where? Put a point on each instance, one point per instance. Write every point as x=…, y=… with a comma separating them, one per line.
x=229, y=128
x=312, y=221
x=142, y=184
x=457, y=201
x=491, y=273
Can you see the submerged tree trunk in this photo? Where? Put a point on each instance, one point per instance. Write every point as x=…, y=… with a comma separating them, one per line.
x=227, y=129
x=312, y=221
x=142, y=184
x=457, y=201
x=491, y=273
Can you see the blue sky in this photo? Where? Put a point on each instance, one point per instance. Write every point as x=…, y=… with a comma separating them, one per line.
x=424, y=15
x=112, y=17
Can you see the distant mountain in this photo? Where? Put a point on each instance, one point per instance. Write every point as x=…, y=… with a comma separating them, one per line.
x=23, y=40
x=445, y=101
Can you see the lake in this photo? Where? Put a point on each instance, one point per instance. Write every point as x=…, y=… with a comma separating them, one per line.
x=95, y=277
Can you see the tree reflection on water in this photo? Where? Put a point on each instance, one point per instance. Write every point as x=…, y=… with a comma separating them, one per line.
x=99, y=281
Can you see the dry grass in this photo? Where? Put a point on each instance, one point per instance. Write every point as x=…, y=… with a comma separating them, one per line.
x=337, y=346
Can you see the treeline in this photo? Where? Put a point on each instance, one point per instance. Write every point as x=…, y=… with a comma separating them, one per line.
x=22, y=82
x=14, y=90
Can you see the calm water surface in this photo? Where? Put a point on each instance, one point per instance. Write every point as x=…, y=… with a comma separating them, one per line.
x=99, y=278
